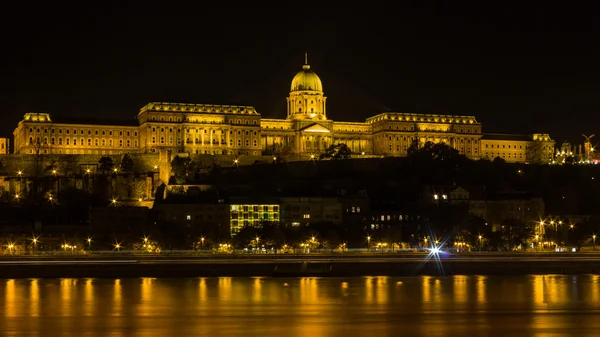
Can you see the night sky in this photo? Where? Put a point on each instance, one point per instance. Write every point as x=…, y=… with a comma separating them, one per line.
x=518, y=70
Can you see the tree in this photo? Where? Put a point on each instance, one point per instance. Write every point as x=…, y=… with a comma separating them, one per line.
x=434, y=151
x=272, y=234
x=277, y=150
x=105, y=164
x=50, y=168
x=569, y=160
x=515, y=233
x=535, y=154
x=180, y=167
x=3, y=170
x=337, y=151
x=126, y=164
x=245, y=236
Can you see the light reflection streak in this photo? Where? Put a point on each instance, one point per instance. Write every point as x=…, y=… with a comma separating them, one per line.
x=117, y=298
x=202, y=290
x=66, y=298
x=225, y=290
x=256, y=290
x=9, y=299
x=595, y=292
x=382, y=296
x=426, y=289
x=34, y=298
x=539, y=293
x=480, y=289
x=460, y=288
x=369, y=290
x=147, y=289
x=89, y=297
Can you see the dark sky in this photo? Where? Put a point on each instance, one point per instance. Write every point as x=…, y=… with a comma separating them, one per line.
x=518, y=70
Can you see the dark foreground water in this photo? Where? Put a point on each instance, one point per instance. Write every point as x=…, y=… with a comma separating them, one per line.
x=312, y=307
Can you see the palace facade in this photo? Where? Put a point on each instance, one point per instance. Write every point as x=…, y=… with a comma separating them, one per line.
x=240, y=130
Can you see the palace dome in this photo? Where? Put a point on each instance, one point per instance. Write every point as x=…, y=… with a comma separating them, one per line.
x=306, y=79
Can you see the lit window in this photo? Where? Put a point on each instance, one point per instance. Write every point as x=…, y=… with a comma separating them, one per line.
x=306, y=216
x=188, y=217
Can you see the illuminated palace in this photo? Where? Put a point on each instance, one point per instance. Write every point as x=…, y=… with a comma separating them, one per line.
x=240, y=130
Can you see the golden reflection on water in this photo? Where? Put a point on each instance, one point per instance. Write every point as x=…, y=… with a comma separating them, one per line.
x=308, y=290
x=369, y=290
x=67, y=287
x=202, y=291
x=426, y=289
x=382, y=292
x=256, y=290
x=480, y=289
x=117, y=307
x=225, y=293
x=88, y=291
x=9, y=299
x=595, y=289
x=34, y=298
x=460, y=288
x=147, y=289
x=457, y=305
x=539, y=290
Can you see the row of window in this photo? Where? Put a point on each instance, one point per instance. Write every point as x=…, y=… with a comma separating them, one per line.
x=197, y=141
x=82, y=142
x=162, y=130
x=82, y=132
x=213, y=121
x=506, y=146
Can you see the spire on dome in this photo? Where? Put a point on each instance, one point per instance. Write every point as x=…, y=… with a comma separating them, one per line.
x=305, y=66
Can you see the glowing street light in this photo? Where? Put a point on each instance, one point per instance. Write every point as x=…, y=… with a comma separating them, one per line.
x=19, y=173
x=53, y=171
x=34, y=241
x=594, y=242
x=480, y=237
x=202, y=242
x=368, y=242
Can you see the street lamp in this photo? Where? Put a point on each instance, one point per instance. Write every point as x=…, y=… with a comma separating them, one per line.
x=368, y=243
x=202, y=242
x=89, y=242
x=594, y=242
x=480, y=237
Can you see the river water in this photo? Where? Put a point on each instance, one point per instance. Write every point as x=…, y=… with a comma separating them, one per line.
x=550, y=305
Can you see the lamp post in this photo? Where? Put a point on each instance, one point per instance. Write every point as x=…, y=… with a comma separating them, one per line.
x=594, y=242
x=202, y=243
x=368, y=243
x=480, y=237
